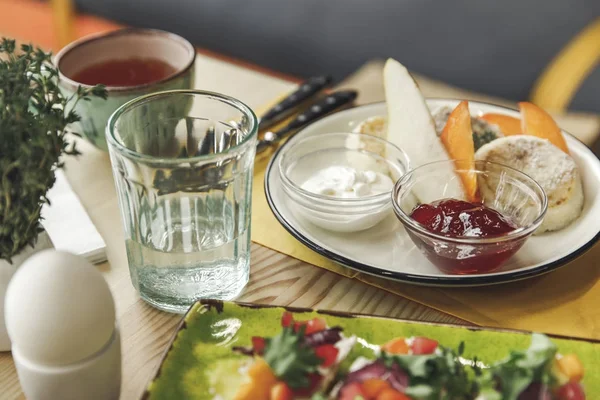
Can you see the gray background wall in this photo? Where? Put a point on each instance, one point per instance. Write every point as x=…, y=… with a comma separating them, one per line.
x=494, y=47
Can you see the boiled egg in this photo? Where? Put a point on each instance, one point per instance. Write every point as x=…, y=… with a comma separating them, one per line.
x=58, y=309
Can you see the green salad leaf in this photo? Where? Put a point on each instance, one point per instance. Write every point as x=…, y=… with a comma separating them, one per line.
x=439, y=376
x=520, y=369
x=290, y=359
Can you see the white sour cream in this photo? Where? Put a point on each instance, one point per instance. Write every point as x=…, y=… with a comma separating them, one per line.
x=347, y=182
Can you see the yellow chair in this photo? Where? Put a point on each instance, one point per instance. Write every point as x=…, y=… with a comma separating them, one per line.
x=64, y=21
x=555, y=88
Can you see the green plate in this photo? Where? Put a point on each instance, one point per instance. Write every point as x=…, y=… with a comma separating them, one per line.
x=200, y=363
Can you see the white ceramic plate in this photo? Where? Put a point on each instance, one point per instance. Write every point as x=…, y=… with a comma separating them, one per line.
x=386, y=250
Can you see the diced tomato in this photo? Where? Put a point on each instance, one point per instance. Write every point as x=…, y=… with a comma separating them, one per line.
x=374, y=386
x=311, y=326
x=315, y=325
x=315, y=381
x=422, y=345
x=298, y=325
x=286, y=319
x=571, y=391
x=281, y=391
x=328, y=353
x=352, y=391
x=258, y=344
x=396, y=346
x=391, y=394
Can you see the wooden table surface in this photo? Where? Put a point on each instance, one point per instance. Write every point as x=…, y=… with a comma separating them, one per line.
x=274, y=279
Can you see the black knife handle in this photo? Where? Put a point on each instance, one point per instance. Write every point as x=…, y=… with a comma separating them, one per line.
x=319, y=109
x=306, y=90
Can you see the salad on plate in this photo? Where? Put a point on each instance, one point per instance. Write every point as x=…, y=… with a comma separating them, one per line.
x=310, y=360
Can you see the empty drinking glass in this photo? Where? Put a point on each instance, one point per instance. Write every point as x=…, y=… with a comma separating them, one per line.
x=183, y=163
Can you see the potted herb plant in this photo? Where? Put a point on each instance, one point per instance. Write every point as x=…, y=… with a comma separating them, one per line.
x=33, y=136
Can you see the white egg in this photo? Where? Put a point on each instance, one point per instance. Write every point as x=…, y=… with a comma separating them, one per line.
x=58, y=309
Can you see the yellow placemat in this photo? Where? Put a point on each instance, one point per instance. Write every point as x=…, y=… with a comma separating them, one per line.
x=564, y=302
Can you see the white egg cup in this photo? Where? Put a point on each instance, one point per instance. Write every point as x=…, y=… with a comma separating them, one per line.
x=95, y=378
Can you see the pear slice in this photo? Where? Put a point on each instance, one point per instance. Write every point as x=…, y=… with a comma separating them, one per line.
x=411, y=127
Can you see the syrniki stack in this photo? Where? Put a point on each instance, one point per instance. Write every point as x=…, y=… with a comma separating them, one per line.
x=553, y=169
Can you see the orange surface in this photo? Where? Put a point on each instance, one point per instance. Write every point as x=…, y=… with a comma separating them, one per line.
x=32, y=21
x=508, y=125
x=537, y=122
x=457, y=137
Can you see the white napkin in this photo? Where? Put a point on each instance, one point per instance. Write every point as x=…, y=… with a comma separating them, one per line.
x=68, y=224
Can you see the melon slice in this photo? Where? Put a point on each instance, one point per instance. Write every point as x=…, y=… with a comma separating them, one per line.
x=537, y=122
x=457, y=137
x=411, y=127
x=508, y=125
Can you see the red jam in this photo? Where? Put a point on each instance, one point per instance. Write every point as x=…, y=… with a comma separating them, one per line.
x=461, y=219
x=457, y=218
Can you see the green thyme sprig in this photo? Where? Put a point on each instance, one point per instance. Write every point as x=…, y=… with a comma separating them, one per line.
x=34, y=116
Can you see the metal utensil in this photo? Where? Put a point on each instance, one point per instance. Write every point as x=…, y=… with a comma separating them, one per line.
x=317, y=110
x=309, y=88
x=228, y=138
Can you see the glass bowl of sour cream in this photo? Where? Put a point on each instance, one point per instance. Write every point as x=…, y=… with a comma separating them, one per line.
x=341, y=182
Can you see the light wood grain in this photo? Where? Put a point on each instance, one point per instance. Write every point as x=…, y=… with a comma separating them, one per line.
x=274, y=278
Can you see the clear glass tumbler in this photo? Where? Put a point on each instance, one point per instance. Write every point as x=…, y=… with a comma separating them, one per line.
x=183, y=163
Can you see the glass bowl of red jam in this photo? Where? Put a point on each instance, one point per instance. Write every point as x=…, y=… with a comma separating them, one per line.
x=468, y=236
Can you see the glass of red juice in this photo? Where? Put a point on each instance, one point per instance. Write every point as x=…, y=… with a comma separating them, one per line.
x=468, y=236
